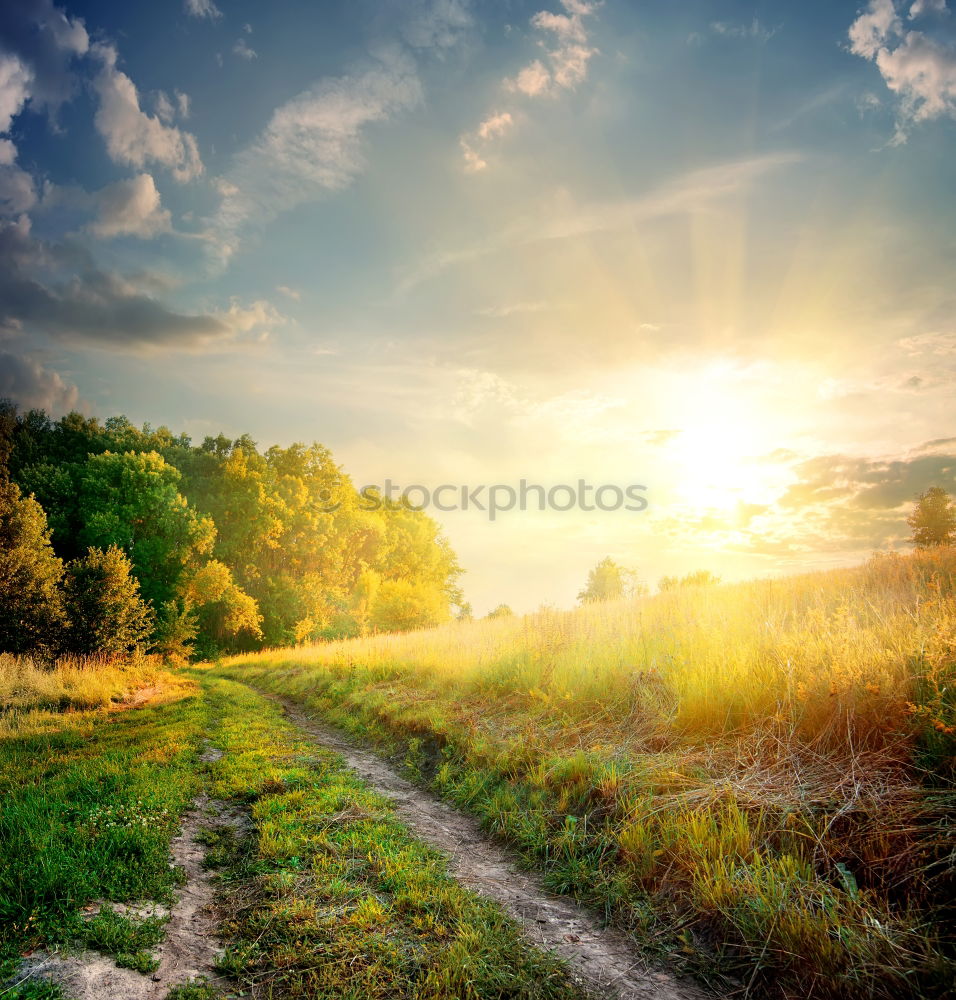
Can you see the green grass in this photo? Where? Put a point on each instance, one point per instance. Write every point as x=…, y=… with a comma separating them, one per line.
x=89, y=802
x=333, y=897
x=324, y=894
x=757, y=779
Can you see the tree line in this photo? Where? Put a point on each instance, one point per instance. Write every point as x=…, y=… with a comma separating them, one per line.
x=114, y=536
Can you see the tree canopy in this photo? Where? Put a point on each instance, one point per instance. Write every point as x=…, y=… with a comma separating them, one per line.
x=933, y=519
x=231, y=546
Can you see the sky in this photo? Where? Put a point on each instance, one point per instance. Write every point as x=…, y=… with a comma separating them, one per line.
x=703, y=248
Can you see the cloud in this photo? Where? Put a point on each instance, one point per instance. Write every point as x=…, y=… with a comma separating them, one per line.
x=57, y=289
x=753, y=30
x=244, y=51
x=132, y=136
x=44, y=42
x=15, y=80
x=918, y=67
x=492, y=127
x=202, y=8
x=921, y=7
x=30, y=385
x=567, y=62
x=131, y=208
x=292, y=293
x=563, y=68
x=312, y=145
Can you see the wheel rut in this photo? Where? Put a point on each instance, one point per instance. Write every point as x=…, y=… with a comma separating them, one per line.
x=604, y=959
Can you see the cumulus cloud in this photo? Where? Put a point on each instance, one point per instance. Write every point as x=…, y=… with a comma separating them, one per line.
x=131, y=208
x=312, y=145
x=492, y=127
x=564, y=38
x=567, y=61
x=25, y=381
x=202, y=8
x=919, y=67
x=45, y=43
x=132, y=136
x=17, y=191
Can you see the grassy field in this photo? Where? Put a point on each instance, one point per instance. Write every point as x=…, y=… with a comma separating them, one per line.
x=324, y=892
x=755, y=778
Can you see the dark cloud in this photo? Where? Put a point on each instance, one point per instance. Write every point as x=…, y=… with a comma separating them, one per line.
x=870, y=484
x=57, y=289
x=47, y=41
x=32, y=386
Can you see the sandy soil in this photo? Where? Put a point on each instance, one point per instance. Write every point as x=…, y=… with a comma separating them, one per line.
x=604, y=959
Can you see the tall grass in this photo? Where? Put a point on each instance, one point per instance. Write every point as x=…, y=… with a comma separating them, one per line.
x=768, y=765
x=74, y=682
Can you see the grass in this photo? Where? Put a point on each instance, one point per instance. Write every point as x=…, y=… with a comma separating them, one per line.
x=331, y=897
x=89, y=802
x=756, y=777
x=324, y=892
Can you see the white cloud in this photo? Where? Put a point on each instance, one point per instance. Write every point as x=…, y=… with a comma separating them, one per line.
x=202, y=8
x=132, y=136
x=164, y=108
x=873, y=27
x=15, y=80
x=492, y=127
x=244, y=51
x=292, y=293
x=533, y=80
x=312, y=144
x=131, y=208
x=182, y=104
x=563, y=68
x=921, y=7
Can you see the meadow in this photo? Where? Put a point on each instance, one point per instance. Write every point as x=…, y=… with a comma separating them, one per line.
x=755, y=779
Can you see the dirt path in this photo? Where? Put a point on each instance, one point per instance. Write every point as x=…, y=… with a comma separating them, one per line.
x=604, y=958
x=190, y=948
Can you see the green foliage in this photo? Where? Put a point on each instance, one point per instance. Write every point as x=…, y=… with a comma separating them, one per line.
x=133, y=501
x=31, y=606
x=401, y=605
x=606, y=582
x=105, y=613
x=933, y=519
x=279, y=542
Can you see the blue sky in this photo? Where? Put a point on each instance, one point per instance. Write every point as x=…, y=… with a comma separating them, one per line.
x=705, y=247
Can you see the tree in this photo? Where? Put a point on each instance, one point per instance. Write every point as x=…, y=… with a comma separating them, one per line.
x=104, y=609
x=177, y=626
x=502, y=611
x=31, y=605
x=133, y=501
x=933, y=519
x=606, y=582
x=400, y=606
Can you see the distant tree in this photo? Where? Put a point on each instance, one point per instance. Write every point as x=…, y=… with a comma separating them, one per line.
x=465, y=612
x=401, y=605
x=606, y=582
x=933, y=519
x=224, y=609
x=699, y=578
x=104, y=609
x=502, y=611
x=31, y=605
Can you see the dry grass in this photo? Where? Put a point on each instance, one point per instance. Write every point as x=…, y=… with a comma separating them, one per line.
x=768, y=764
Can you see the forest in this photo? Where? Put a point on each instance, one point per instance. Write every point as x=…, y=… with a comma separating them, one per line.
x=121, y=537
